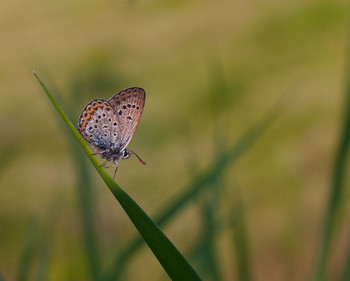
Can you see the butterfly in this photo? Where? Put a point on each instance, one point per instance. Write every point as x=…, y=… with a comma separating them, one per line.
x=110, y=125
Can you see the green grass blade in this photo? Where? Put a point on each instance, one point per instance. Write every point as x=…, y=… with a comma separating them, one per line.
x=240, y=242
x=219, y=102
x=219, y=167
x=27, y=256
x=201, y=181
x=169, y=257
x=8, y=154
x=45, y=259
x=336, y=192
x=84, y=189
x=346, y=272
x=85, y=200
x=206, y=248
x=47, y=239
x=86, y=210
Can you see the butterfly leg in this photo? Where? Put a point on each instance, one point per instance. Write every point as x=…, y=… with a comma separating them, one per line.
x=99, y=152
x=104, y=163
x=116, y=168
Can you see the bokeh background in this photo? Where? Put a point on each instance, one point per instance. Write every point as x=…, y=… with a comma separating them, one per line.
x=212, y=70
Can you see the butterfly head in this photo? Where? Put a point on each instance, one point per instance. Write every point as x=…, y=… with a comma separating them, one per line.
x=125, y=154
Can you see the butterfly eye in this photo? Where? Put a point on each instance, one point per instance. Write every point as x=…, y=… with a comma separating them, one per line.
x=125, y=153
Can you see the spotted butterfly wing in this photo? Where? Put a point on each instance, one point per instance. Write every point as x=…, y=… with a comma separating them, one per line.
x=128, y=104
x=99, y=125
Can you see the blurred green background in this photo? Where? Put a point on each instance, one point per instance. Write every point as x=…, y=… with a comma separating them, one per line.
x=211, y=70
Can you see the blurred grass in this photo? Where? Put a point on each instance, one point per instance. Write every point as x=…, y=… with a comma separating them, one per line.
x=337, y=191
x=201, y=181
x=206, y=252
x=7, y=155
x=263, y=45
x=85, y=195
x=90, y=82
x=36, y=257
x=240, y=240
x=85, y=191
x=26, y=260
x=346, y=271
x=45, y=255
x=343, y=158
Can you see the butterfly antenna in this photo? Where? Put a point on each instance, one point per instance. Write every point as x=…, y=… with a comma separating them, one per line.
x=142, y=162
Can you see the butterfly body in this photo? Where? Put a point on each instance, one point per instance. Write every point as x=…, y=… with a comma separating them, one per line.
x=110, y=125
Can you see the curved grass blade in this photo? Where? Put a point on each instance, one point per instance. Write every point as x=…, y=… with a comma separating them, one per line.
x=337, y=191
x=206, y=254
x=47, y=240
x=202, y=181
x=8, y=153
x=240, y=241
x=169, y=257
x=334, y=199
x=29, y=250
x=85, y=200
x=346, y=272
x=84, y=190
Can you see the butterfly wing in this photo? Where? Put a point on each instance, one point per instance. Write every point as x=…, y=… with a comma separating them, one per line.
x=99, y=125
x=128, y=104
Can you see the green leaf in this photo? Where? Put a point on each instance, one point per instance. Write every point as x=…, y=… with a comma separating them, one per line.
x=169, y=257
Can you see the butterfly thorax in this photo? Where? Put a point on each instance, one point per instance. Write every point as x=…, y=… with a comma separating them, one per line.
x=115, y=154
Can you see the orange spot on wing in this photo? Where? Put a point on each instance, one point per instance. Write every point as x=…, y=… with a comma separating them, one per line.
x=91, y=110
x=95, y=106
x=84, y=124
x=87, y=117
